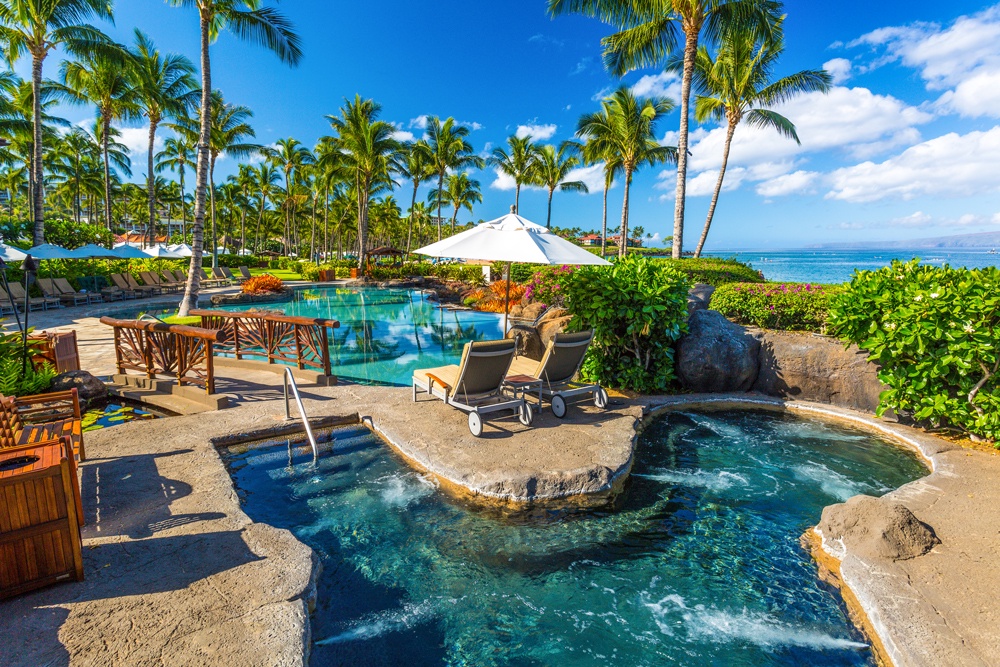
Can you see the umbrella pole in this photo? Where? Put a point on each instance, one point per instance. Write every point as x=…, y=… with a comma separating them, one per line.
x=506, y=309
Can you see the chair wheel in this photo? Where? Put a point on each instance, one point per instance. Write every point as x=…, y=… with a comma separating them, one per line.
x=558, y=406
x=601, y=398
x=475, y=424
x=525, y=414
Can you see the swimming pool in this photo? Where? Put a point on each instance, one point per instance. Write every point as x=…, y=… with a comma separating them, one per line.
x=697, y=561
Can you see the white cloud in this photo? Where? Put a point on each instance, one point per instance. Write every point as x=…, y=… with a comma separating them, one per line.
x=506, y=183
x=916, y=219
x=136, y=139
x=949, y=165
x=536, y=132
x=403, y=135
x=963, y=59
x=787, y=184
x=582, y=66
x=665, y=84
x=592, y=176
x=420, y=122
x=601, y=94
x=839, y=69
x=995, y=219
x=703, y=184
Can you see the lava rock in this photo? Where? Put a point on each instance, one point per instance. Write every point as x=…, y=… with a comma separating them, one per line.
x=699, y=297
x=532, y=311
x=876, y=528
x=88, y=387
x=529, y=343
x=549, y=328
x=553, y=313
x=716, y=355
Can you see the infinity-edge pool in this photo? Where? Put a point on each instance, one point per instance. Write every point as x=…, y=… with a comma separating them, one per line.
x=696, y=562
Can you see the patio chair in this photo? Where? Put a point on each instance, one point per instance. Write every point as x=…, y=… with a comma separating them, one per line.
x=151, y=279
x=229, y=275
x=180, y=276
x=557, y=370
x=123, y=285
x=220, y=275
x=49, y=289
x=169, y=279
x=476, y=384
x=34, y=302
x=245, y=273
x=134, y=284
x=65, y=289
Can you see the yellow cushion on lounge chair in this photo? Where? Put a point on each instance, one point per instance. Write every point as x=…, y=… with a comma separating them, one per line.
x=447, y=374
x=525, y=366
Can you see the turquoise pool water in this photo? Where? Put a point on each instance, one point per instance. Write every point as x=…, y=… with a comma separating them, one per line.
x=697, y=561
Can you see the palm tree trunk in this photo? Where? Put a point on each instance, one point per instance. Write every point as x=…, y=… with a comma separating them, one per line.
x=150, y=180
x=718, y=188
x=38, y=188
x=243, y=228
x=454, y=219
x=183, y=208
x=604, y=218
x=326, y=222
x=548, y=218
x=623, y=244
x=211, y=199
x=106, y=123
x=440, y=189
x=260, y=221
x=690, y=51
x=409, y=221
x=312, y=235
x=191, y=289
x=517, y=198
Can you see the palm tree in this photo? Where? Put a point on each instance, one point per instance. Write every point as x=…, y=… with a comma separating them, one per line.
x=291, y=156
x=519, y=163
x=165, y=88
x=71, y=159
x=552, y=166
x=736, y=86
x=448, y=149
x=599, y=150
x=177, y=155
x=266, y=180
x=648, y=34
x=626, y=128
x=461, y=192
x=37, y=28
x=417, y=168
x=369, y=151
x=251, y=21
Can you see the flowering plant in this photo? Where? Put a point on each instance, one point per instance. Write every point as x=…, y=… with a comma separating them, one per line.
x=790, y=306
x=546, y=285
x=263, y=284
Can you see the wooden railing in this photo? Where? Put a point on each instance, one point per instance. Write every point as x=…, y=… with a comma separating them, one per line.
x=302, y=342
x=172, y=350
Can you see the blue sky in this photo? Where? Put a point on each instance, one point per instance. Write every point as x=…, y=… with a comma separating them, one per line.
x=906, y=145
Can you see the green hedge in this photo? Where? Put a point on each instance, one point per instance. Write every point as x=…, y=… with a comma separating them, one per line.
x=789, y=306
x=638, y=310
x=714, y=271
x=935, y=333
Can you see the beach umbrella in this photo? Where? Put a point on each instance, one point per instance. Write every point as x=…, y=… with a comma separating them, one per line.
x=182, y=249
x=126, y=251
x=512, y=238
x=161, y=253
x=92, y=251
x=51, y=251
x=10, y=254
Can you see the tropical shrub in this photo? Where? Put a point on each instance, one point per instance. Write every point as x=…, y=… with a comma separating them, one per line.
x=638, y=310
x=519, y=273
x=546, y=285
x=789, y=306
x=494, y=298
x=714, y=271
x=263, y=284
x=12, y=381
x=935, y=333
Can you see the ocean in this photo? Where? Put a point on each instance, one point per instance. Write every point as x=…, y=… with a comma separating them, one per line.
x=837, y=266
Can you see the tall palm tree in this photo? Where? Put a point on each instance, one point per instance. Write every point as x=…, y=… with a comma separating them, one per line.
x=599, y=150
x=736, y=87
x=370, y=153
x=266, y=180
x=71, y=159
x=177, y=155
x=448, y=149
x=252, y=21
x=104, y=80
x=165, y=87
x=626, y=126
x=417, y=168
x=552, y=167
x=647, y=34
x=519, y=163
x=292, y=157
x=330, y=170
x=36, y=28
x=461, y=192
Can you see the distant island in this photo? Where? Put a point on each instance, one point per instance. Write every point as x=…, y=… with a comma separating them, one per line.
x=984, y=240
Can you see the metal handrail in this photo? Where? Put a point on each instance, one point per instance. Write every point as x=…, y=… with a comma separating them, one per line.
x=290, y=379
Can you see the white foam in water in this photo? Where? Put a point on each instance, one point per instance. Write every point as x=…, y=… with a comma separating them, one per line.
x=376, y=625
x=719, y=480
x=404, y=490
x=756, y=628
x=718, y=427
x=830, y=482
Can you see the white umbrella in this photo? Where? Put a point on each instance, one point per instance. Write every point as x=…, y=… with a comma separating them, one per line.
x=161, y=252
x=92, y=251
x=182, y=249
x=126, y=251
x=512, y=239
x=50, y=251
x=9, y=254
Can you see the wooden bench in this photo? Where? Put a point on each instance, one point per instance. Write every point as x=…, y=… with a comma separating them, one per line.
x=31, y=419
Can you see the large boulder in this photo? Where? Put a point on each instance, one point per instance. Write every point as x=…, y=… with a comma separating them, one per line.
x=871, y=528
x=532, y=311
x=699, y=297
x=529, y=344
x=716, y=355
x=88, y=387
x=816, y=368
x=553, y=313
x=549, y=328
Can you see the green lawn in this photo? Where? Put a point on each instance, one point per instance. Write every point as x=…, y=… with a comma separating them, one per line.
x=284, y=274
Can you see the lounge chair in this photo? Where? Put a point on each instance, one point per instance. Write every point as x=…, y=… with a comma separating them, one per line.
x=557, y=370
x=220, y=275
x=34, y=302
x=133, y=284
x=476, y=385
x=169, y=279
x=65, y=289
x=123, y=285
x=245, y=273
x=153, y=280
x=229, y=275
x=179, y=276
x=49, y=289
x=211, y=282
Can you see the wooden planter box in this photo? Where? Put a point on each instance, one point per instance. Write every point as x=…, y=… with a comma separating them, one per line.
x=59, y=349
x=39, y=518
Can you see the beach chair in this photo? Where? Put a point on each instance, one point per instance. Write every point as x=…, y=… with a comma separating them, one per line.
x=180, y=276
x=146, y=289
x=150, y=279
x=229, y=275
x=65, y=289
x=123, y=285
x=245, y=273
x=557, y=370
x=476, y=384
x=34, y=302
x=219, y=275
x=49, y=289
x=170, y=279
